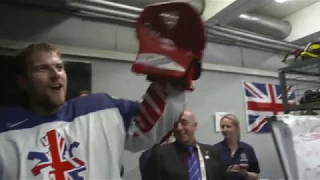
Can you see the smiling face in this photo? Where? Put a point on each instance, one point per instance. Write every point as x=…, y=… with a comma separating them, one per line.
x=45, y=80
x=184, y=129
x=230, y=127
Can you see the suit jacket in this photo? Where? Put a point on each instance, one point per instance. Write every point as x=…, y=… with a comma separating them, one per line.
x=167, y=162
x=144, y=158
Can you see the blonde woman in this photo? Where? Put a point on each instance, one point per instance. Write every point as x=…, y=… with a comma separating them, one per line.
x=239, y=157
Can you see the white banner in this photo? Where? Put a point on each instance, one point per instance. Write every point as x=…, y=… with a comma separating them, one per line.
x=305, y=135
x=218, y=116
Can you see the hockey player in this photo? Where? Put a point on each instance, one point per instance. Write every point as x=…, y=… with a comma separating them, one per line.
x=84, y=137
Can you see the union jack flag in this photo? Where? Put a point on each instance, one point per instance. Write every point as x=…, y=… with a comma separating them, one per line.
x=263, y=101
x=57, y=162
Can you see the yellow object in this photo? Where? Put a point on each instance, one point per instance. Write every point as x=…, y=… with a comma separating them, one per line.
x=311, y=50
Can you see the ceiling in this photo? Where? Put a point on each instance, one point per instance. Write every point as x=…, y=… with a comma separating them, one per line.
x=231, y=9
x=282, y=10
x=142, y=3
x=136, y=3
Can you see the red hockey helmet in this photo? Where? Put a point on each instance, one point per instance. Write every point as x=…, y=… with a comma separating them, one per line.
x=172, y=39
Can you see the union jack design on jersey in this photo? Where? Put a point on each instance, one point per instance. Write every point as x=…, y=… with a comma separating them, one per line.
x=87, y=133
x=57, y=162
x=263, y=101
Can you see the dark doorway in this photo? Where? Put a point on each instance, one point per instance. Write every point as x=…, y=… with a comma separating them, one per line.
x=8, y=81
x=79, y=78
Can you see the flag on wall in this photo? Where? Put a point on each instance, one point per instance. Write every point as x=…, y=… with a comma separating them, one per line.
x=263, y=101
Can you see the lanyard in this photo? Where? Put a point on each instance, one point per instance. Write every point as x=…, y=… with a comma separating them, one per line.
x=202, y=164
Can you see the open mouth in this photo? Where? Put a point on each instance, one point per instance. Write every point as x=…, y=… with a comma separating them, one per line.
x=56, y=87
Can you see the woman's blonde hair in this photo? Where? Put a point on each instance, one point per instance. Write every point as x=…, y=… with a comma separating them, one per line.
x=235, y=122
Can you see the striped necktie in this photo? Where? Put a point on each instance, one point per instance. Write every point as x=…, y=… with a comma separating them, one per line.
x=194, y=168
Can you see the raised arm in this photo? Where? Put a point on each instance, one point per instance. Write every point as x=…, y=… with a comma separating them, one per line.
x=159, y=110
x=150, y=121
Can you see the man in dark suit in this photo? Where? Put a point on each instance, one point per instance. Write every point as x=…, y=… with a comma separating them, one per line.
x=144, y=158
x=185, y=159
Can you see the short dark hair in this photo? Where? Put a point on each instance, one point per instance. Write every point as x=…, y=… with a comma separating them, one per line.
x=25, y=53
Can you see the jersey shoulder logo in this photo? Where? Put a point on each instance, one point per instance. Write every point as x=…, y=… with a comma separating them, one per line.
x=57, y=161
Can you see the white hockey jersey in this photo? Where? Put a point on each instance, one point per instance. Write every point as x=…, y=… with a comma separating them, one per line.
x=85, y=139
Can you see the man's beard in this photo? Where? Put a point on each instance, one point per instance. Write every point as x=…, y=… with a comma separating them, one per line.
x=47, y=105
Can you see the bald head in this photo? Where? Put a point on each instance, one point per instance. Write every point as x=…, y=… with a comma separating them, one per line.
x=188, y=115
x=185, y=128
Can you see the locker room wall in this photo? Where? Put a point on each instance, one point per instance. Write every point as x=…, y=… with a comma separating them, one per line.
x=214, y=91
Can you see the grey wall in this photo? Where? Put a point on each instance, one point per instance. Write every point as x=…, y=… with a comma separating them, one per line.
x=214, y=91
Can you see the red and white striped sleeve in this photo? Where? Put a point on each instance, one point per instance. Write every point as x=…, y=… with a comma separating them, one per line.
x=161, y=107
